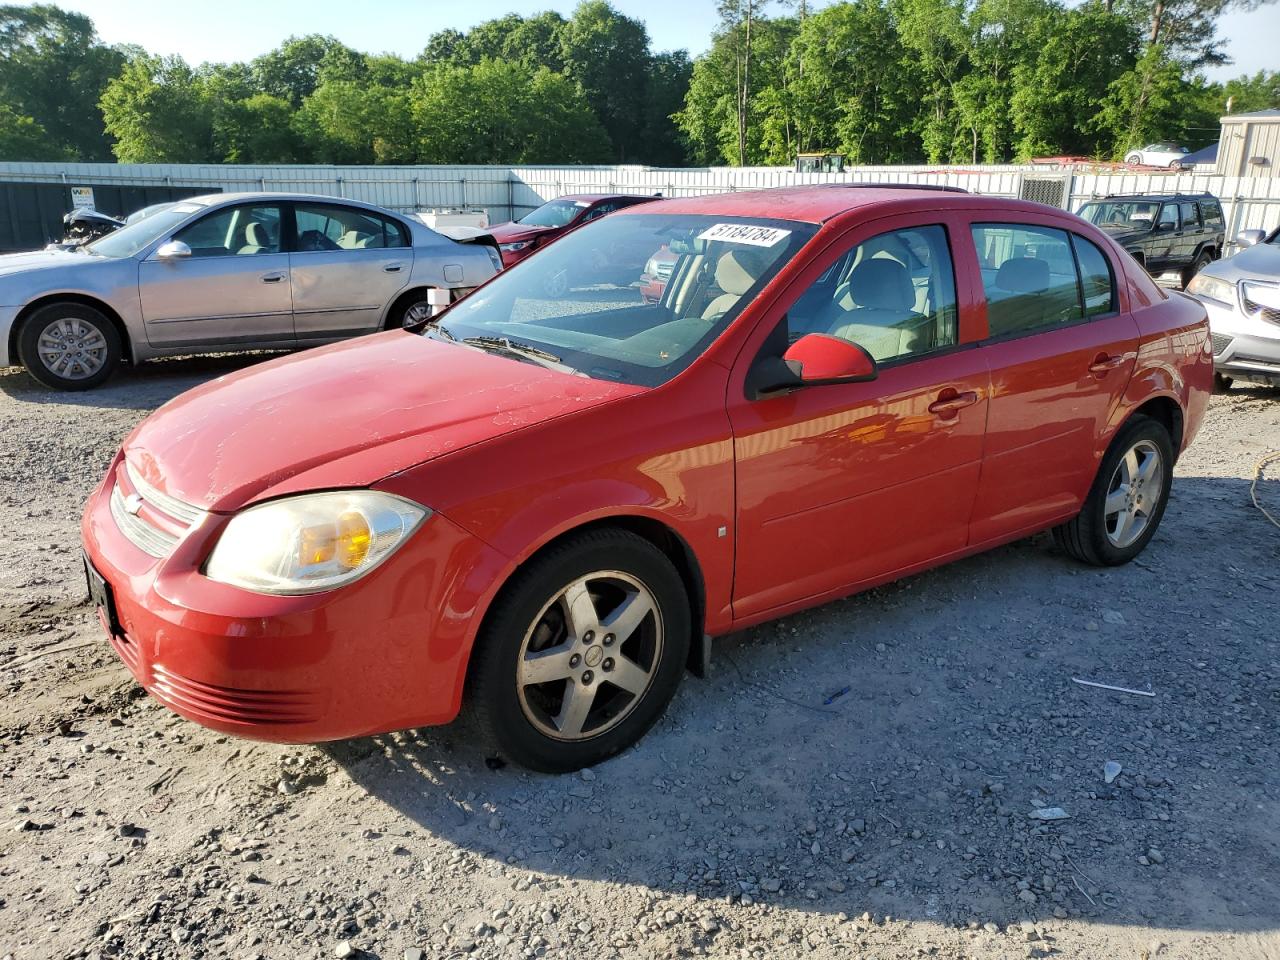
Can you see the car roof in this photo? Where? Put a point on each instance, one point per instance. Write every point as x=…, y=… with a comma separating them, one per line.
x=822, y=202
x=213, y=199
x=595, y=197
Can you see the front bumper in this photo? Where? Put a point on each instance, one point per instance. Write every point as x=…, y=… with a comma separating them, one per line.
x=7, y=316
x=387, y=652
x=1245, y=347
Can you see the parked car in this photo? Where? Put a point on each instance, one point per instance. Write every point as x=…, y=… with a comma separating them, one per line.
x=540, y=510
x=226, y=272
x=657, y=271
x=82, y=227
x=555, y=218
x=1166, y=232
x=1162, y=154
x=1242, y=296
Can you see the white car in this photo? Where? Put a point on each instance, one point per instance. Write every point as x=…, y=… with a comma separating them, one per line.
x=1162, y=154
x=225, y=272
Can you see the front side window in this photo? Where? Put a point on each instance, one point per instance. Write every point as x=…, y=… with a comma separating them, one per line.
x=1029, y=277
x=577, y=305
x=557, y=213
x=234, y=231
x=324, y=226
x=1168, y=217
x=133, y=238
x=1120, y=215
x=894, y=295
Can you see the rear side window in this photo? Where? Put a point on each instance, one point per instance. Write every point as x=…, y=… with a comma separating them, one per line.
x=1212, y=211
x=1029, y=277
x=1190, y=214
x=1097, y=286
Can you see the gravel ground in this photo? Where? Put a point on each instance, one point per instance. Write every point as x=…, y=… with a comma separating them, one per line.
x=753, y=821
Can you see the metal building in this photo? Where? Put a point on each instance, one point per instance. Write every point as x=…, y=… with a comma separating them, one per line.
x=1250, y=145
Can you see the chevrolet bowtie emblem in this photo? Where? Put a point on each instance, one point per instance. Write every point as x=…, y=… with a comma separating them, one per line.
x=132, y=504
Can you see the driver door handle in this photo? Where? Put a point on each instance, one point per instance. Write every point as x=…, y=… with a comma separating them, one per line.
x=950, y=403
x=272, y=277
x=393, y=268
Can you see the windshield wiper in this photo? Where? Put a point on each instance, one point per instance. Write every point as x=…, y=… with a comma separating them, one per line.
x=512, y=347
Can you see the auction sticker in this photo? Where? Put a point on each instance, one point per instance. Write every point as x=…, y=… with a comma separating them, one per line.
x=747, y=233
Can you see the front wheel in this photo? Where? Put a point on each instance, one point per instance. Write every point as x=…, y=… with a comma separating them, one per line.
x=1127, y=500
x=1202, y=260
x=1133, y=158
x=581, y=653
x=69, y=346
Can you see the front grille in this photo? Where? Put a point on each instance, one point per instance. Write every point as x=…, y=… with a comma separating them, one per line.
x=127, y=649
x=230, y=704
x=137, y=531
x=165, y=520
x=1220, y=343
x=1270, y=314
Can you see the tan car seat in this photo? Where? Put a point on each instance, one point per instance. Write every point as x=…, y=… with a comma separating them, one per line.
x=883, y=319
x=255, y=238
x=736, y=272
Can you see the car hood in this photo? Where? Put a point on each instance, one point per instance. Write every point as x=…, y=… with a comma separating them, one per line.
x=1123, y=235
x=1261, y=262
x=346, y=415
x=513, y=232
x=11, y=263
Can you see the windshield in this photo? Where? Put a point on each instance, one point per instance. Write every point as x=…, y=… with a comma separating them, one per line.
x=557, y=213
x=582, y=305
x=1121, y=214
x=129, y=239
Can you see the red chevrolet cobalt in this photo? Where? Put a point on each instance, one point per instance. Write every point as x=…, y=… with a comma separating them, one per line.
x=539, y=508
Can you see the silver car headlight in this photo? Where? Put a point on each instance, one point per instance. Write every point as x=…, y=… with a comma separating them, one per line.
x=313, y=542
x=1203, y=285
x=516, y=246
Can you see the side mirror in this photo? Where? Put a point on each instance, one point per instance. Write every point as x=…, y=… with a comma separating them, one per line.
x=1250, y=238
x=173, y=250
x=1164, y=226
x=819, y=358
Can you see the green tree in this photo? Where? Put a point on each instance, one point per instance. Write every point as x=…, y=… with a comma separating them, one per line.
x=1153, y=101
x=935, y=35
x=661, y=142
x=607, y=55
x=256, y=129
x=294, y=69
x=21, y=138
x=158, y=112
x=1246, y=94
x=53, y=69
x=344, y=121
x=498, y=111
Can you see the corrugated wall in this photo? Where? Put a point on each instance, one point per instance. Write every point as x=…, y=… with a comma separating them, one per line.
x=508, y=191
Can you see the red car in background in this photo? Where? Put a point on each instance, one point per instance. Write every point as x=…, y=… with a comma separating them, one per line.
x=539, y=509
x=519, y=238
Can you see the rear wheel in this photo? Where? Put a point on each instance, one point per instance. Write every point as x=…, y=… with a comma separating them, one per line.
x=69, y=346
x=1202, y=260
x=1127, y=500
x=412, y=313
x=581, y=653
x=1133, y=158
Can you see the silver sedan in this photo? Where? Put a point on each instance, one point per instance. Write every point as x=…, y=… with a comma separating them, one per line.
x=1242, y=297
x=228, y=272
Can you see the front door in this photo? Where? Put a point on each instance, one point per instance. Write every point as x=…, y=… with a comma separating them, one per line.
x=842, y=485
x=347, y=265
x=1060, y=354
x=233, y=289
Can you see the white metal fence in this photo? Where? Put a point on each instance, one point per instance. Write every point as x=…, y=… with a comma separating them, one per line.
x=506, y=192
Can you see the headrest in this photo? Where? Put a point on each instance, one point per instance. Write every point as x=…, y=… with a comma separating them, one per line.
x=882, y=284
x=1023, y=275
x=737, y=270
x=255, y=234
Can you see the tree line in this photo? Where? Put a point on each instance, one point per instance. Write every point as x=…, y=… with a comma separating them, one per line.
x=881, y=81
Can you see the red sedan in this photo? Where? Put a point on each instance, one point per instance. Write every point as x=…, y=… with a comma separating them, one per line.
x=539, y=508
x=519, y=238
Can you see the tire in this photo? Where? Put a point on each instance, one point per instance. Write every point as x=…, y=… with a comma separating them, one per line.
x=69, y=346
x=1090, y=537
x=1132, y=158
x=1202, y=260
x=1175, y=164
x=547, y=724
x=411, y=314
x=1221, y=383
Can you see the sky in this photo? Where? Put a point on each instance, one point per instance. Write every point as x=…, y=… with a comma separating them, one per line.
x=230, y=30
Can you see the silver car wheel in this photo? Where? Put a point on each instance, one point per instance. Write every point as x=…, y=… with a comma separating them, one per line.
x=417, y=314
x=72, y=348
x=589, y=656
x=1133, y=494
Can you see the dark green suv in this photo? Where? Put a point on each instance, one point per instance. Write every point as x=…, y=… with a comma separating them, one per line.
x=1164, y=232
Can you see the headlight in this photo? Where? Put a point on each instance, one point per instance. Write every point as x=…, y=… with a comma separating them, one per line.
x=513, y=247
x=313, y=542
x=1203, y=285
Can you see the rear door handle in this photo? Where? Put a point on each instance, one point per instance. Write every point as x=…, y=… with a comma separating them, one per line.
x=950, y=403
x=1103, y=363
x=393, y=268
x=272, y=277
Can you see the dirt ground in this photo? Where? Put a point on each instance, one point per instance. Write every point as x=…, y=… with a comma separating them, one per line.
x=753, y=822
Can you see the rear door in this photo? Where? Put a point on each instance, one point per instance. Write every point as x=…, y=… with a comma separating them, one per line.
x=1060, y=350
x=1192, y=231
x=347, y=264
x=233, y=289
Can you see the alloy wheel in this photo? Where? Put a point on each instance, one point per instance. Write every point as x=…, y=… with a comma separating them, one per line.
x=1133, y=494
x=417, y=314
x=589, y=656
x=72, y=348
